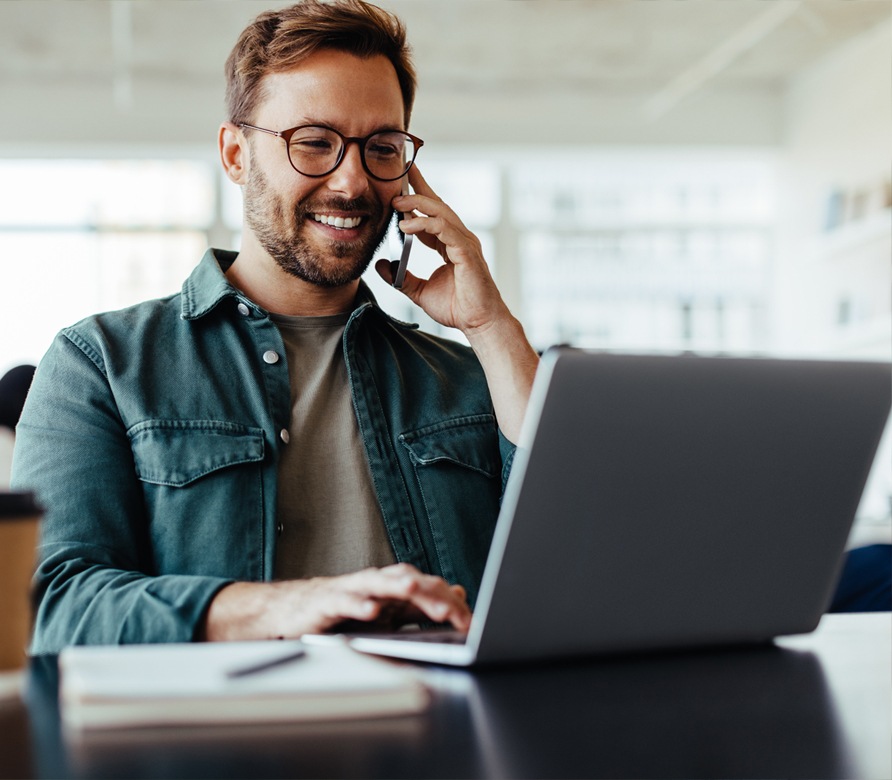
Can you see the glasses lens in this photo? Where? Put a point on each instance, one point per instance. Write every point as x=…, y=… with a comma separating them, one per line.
x=314, y=151
x=389, y=155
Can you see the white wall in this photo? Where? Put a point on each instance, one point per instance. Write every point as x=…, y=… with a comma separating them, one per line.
x=837, y=137
x=833, y=292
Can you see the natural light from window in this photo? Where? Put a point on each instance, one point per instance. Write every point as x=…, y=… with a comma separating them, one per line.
x=627, y=250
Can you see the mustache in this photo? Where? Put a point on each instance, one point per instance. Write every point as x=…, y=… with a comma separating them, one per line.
x=366, y=205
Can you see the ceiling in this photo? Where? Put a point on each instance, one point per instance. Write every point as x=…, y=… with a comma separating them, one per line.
x=139, y=69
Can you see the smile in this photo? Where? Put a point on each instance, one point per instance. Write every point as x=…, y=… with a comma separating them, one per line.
x=338, y=222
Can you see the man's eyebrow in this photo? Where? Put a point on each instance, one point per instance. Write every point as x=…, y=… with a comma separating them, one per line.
x=308, y=121
x=302, y=122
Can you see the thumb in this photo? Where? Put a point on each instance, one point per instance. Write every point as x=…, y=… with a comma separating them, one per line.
x=412, y=285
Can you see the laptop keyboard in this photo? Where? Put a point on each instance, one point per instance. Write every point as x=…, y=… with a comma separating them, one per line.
x=440, y=637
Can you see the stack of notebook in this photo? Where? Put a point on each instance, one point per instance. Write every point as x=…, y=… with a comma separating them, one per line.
x=235, y=682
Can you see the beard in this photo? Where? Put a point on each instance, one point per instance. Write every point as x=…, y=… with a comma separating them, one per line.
x=279, y=232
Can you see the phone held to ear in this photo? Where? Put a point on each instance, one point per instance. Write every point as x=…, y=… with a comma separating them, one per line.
x=399, y=275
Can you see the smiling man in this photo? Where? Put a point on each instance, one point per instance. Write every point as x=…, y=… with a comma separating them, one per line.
x=268, y=453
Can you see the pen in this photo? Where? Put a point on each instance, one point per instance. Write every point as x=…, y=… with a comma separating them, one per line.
x=261, y=666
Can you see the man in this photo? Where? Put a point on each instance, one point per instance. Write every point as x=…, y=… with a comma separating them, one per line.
x=267, y=453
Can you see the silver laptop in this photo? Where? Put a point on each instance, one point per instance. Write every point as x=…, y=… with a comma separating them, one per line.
x=664, y=502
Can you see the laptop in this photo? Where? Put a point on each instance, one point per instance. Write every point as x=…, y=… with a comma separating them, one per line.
x=667, y=502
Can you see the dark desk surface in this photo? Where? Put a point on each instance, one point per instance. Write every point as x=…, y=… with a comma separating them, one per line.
x=818, y=706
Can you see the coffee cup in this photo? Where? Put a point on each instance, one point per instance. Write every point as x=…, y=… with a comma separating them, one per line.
x=19, y=522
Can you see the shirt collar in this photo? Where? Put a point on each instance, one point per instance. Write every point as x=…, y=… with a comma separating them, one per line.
x=207, y=285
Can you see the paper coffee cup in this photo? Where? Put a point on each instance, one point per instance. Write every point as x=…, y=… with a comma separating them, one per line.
x=19, y=522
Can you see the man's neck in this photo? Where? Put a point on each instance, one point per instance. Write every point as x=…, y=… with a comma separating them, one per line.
x=258, y=276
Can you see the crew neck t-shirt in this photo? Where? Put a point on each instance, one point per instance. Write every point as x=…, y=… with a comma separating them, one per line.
x=328, y=518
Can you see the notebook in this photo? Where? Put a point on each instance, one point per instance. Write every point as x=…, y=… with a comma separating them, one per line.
x=663, y=502
x=130, y=686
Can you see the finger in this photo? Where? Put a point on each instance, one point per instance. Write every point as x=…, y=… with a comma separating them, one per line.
x=424, y=226
x=450, y=238
x=457, y=613
x=399, y=613
x=341, y=605
x=353, y=597
x=426, y=206
x=386, y=269
x=424, y=199
x=396, y=582
x=432, y=595
x=431, y=242
x=441, y=602
x=420, y=185
x=412, y=285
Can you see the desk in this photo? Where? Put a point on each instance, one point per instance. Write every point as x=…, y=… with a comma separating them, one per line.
x=816, y=706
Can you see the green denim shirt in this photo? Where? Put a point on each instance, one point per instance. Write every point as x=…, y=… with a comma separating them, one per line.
x=152, y=437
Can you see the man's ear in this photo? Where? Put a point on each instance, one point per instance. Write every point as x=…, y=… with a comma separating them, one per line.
x=233, y=152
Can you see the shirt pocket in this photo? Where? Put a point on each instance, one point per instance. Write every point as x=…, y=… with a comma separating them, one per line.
x=457, y=468
x=203, y=488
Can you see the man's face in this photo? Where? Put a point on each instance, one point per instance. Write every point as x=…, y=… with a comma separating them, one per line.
x=288, y=212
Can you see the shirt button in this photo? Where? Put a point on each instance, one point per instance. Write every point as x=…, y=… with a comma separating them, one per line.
x=284, y=435
x=270, y=357
x=243, y=310
x=279, y=529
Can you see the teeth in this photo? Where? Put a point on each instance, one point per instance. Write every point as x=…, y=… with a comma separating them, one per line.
x=338, y=222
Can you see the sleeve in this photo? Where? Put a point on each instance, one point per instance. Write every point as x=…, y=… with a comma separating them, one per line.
x=506, y=451
x=93, y=582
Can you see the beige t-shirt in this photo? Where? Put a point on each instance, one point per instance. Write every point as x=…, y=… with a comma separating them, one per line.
x=328, y=520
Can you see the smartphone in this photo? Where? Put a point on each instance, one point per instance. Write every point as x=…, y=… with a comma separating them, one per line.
x=400, y=276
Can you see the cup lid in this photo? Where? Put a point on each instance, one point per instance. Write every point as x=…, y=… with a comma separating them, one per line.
x=18, y=503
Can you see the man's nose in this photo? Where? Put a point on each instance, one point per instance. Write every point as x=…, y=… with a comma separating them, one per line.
x=350, y=177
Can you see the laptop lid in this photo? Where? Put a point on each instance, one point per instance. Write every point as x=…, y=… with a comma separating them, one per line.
x=659, y=502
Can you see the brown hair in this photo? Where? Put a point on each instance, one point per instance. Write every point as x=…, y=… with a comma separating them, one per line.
x=280, y=40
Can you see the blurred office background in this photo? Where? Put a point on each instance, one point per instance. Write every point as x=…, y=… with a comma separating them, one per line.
x=651, y=175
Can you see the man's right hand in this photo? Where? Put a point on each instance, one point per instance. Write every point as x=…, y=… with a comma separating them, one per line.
x=393, y=596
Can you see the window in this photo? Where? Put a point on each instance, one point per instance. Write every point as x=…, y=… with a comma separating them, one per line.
x=624, y=250
x=646, y=251
x=81, y=236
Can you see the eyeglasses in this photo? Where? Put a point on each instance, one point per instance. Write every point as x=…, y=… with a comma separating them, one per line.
x=315, y=151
